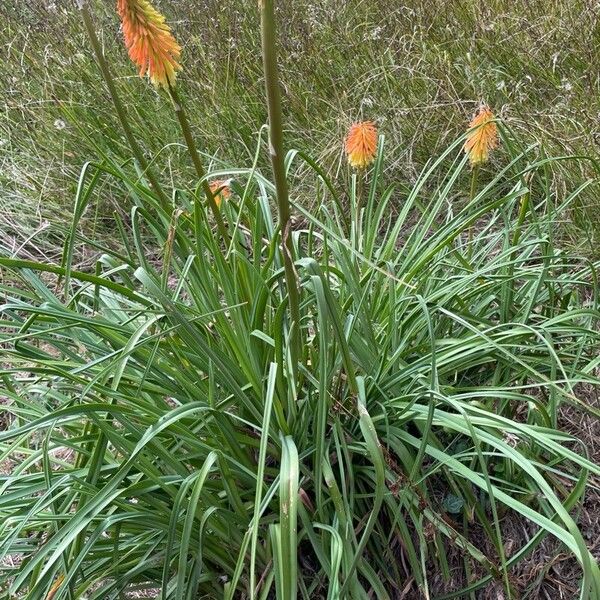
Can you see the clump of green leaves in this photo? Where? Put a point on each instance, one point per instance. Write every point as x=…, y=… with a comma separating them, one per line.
x=161, y=438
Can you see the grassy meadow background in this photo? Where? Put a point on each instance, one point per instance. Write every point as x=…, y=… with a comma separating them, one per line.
x=418, y=68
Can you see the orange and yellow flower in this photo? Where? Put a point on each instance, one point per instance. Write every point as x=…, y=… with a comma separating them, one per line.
x=482, y=137
x=220, y=190
x=361, y=144
x=149, y=41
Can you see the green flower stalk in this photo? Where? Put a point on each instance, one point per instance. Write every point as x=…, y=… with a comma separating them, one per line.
x=269, y=48
x=195, y=156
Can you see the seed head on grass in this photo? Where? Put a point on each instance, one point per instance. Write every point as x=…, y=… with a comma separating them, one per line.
x=482, y=137
x=220, y=190
x=361, y=144
x=149, y=41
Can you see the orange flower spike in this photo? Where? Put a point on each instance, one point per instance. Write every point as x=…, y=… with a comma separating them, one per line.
x=220, y=190
x=482, y=137
x=361, y=144
x=149, y=41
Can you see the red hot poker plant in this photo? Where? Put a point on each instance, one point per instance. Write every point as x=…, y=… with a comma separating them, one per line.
x=149, y=41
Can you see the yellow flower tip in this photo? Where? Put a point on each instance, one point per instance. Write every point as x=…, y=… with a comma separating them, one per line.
x=361, y=144
x=482, y=136
x=149, y=41
x=220, y=190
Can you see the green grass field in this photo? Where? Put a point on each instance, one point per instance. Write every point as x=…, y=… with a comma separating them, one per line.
x=419, y=69
x=283, y=367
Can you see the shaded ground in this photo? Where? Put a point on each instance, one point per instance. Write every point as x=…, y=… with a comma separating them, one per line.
x=550, y=572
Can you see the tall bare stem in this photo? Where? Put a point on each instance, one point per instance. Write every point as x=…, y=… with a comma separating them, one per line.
x=474, y=178
x=189, y=140
x=269, y=48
